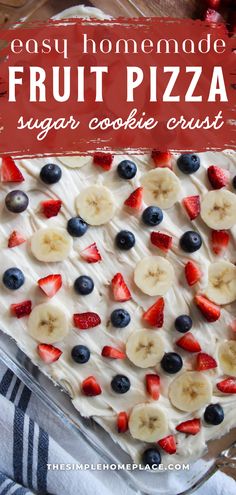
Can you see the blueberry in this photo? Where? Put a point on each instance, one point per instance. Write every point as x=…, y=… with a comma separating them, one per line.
x=76, y=226
x=125, y=240
x=16, y=201
x=120, y=384
x=13, y=278
x=183, y=323
x=214, y=414
x=120, y=318
x=84, y=285
x=127, y=169
x=234, y=182
x=80, y=354
x=171, y=362
x=188, y=163
x=50, y=173
x=151, y=457
x=190, y=241
x=152, y=216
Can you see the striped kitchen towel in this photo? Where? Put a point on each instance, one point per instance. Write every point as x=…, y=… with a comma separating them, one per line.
x=31, y=438
x=26, y=448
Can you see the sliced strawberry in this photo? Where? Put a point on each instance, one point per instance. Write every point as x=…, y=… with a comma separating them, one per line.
x=233, y=326
x=21, y=309
x=205, y=362
x=214, y=4
x=153, y=385
x=162, y=241
x=219, y=240
x=135, y=199
x=192, y=426
x=103, y=160
x=154, y=316
x=122, y=422
x=213, y=17
x=51, y=207
x=162, y=159
x=188, y=343
x=15, y=239
x=50, y=284
x=192, y=205
x=91, y=254
x=209, y=310
x=227, y=386
x=192, y=273
x=111, y=352
x=168, y=444
x=120, y=290
x=86, y=320
x=9, y=171
x=90, y=387
x=48, y=353
x=218, y=177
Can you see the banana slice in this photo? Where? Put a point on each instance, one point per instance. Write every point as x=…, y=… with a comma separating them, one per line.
x=148, y=422
x=161, y=187
x=190, y=391
x=51, y=244
x=227, y=357
x=75, y=161
x=145, y=348
x=154, y=275
x=47, y=323
x=95, y=205
x=221, y=282
x=218, y=209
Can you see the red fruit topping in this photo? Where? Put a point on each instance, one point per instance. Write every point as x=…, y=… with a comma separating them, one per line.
x=192, y=426
x=91, y=254
x=205, y=362
x=50, y=284
x=122, y=422
x=192, y=273
x=9, y=171
x=21, y=309
x=219, y=240
x=86, y=320
x=90, y=387
x=153, y=385
x=111, y=352
x=213, y=17
x=154, y=316
x=168, y=444
x=227, y=386
x=209, y=310
x=218, y=177
x=120, y=290
x=103, y=160
x=51, y=207
x=233, y=326
x=214, y=4
x=135, y=199
x=48, y=353
x=189, y=343
x=192, y=206
x=162, y=241
x=15, y=239
x=162, y=159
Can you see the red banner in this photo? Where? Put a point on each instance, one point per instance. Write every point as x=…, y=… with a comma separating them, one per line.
x=133, y=84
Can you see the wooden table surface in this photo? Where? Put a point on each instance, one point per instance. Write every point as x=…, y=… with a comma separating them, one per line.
x=13, y=10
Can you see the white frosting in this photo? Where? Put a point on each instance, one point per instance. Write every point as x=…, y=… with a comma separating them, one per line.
x=178, y=300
